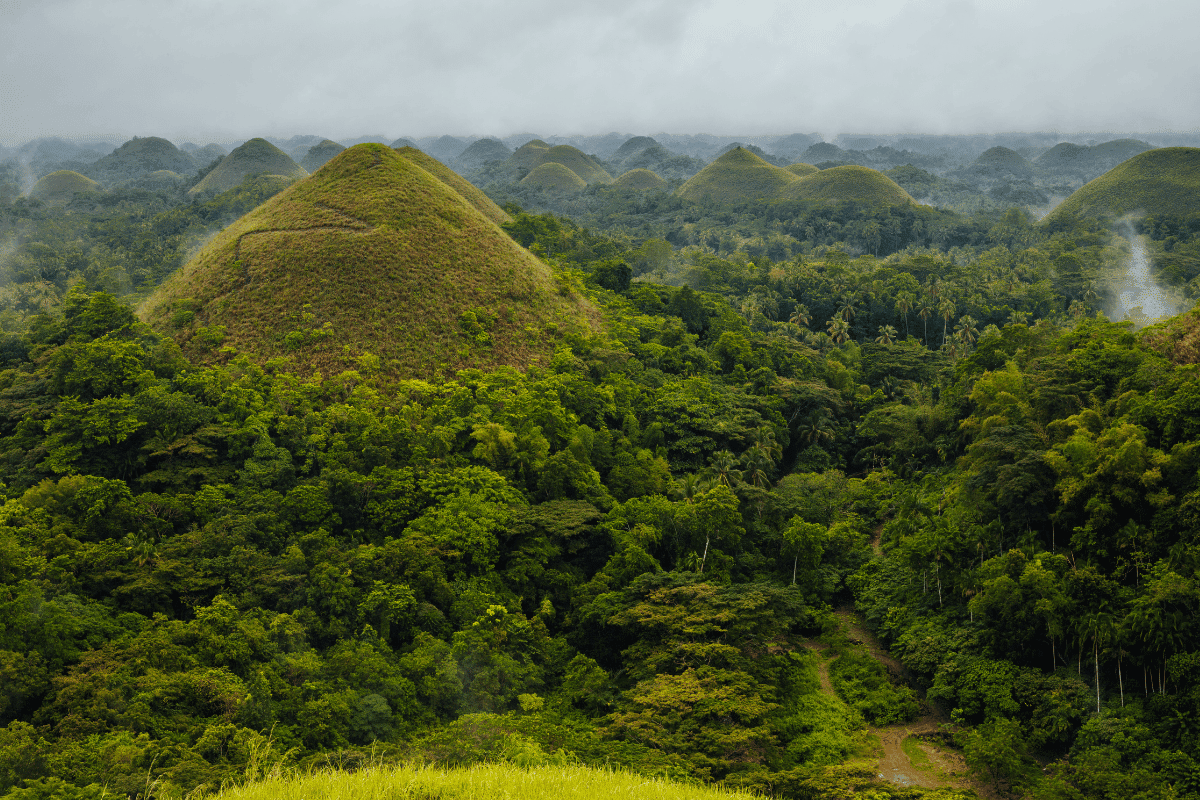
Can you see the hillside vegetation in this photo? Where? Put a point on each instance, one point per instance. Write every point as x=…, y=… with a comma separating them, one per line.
x=373, y=258
x=1164, y=182
x=255, y=157
x=640, y=179
x=457, y=183
x=736, y=176
x=61, y=186
x=554, y=177
x=839, y=184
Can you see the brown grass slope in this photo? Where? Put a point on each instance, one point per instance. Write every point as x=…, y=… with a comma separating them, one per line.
x=373, y=254
x=468, y=191
x=554, y=177
x=1159, y=182
x=737, y=176
x=257, y=156
x=641, y=179
x=61, y=186
x=848, y=183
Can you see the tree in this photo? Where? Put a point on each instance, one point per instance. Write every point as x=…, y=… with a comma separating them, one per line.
x=806, y=542
x=839, y=329
x=887, y=335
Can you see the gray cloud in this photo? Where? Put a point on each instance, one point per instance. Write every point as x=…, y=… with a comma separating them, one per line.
x=222, y=69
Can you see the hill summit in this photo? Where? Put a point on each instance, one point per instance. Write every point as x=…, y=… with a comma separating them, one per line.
x=372, y=263
x=1159, y=182
x=737, y=176
x=255, y=157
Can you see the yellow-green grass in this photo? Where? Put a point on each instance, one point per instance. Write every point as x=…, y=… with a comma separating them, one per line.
x=577, y=161
x=370, y=264
x=911, y=746
x=319, y=154
x=641, y=179
x=255, y=157
x=555, y=177
x=800, y=169
x=529, y=155
x=838, y=184
x=458, y=183
x=1158, y=182
x=475, y=782
x=61, y=186
x=737, y=176
x=1002, y=160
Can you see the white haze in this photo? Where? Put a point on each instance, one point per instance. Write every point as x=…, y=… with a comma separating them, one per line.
x=1136, y=289
x=218, y=69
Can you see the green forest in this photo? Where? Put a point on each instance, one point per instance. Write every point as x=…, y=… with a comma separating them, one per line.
x=819, y=467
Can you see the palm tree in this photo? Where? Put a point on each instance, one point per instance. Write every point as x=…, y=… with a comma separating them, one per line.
x=925, y=313
x=847, y=307
x=904, y=304
x=723, y=469
x=966, y=331
x=800, y=316
x=887, y=335
x=946, y=311
x=839, y=329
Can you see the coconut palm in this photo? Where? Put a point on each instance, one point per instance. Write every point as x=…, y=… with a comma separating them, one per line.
x=839, y=329
x=800, y=316
x=966, y=331
x=904, y=304
x=945, y=311
x=887, y=335
x=925, y=312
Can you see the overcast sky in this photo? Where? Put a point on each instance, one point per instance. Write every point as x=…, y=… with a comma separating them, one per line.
x=216, y=70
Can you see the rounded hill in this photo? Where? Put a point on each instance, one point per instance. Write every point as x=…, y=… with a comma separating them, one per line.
x=138, y=157
x=319, y=154
x=1161, y=182
x=468, y=191
x=640, y=179
x=482, y=151
x=848, y=183
x=371, y=264
x=577, y=161
x=529, y=155
x=737, y=176
x=632, y=147
x=800, y=169
x=255, y=157
x=554, y=177
x=61, y=186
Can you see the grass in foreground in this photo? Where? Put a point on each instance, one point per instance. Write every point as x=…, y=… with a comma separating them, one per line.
x=479, y=781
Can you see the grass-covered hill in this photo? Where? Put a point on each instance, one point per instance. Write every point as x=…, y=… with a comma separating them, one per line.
x=1158, y=182
x=61, y=186
x=838, y=184
x=319, y=154
x=530, y=154
x=257, y=156
x=481, y=780
x=482, y=151
x=737, y=176
x=632, y=147
x=138, y=157
x=443, y=148
x=1086, y=162
x=203, y=156
x=482, y=203
x=642, y=179
x=997, y=164
x=403, y=141
x=554, y=177
x=577, y=161
x=372, y=263
x=800, y=169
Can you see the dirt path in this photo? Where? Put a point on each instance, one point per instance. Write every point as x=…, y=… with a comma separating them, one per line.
x=909, y=754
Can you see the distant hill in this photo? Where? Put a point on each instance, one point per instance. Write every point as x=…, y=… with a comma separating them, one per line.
x=402, y=142
x=631, y=147
x=370, y=264
x=823, y=151
x=641, y=179
x=1159, y=182
x=138, y=157
x=443, y=148
x=530, y=154
x=801, y=169
x=758, y=151
x=793, y=145
x=257, y=156
x=481, y=152
x=482, y=203
x=839, y=184
x=319, y=154
x=995, y=165
x=555, y=177
x=61, y=186
x=737, y=176
x=1083, y=162
x=203, y=156
x=577, y=161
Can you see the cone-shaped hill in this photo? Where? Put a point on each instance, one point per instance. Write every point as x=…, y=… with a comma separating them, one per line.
x=1088, y=162
x=839, y=184
x=554, y=177
x=640, y=179
x=318, y=154
x=529, y=155
x=138, y=157
x=469, y=192
x=999, y=163
x=61, y=186
x=372, y=255
x=1158, y=182
x=737, y=176
x=800, y=169
x=481, y=152
x=257, y=156
x=632, y=147
x=535, y=153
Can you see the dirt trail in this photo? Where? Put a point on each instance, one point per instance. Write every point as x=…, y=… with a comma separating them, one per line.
x=931, y=766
